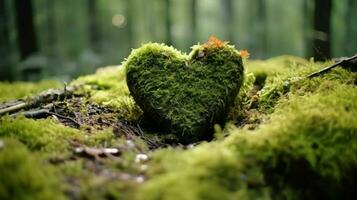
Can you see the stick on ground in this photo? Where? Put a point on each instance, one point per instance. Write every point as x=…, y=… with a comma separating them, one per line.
x=343, y=62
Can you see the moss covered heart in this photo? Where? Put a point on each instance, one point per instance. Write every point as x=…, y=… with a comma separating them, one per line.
x=185, y=94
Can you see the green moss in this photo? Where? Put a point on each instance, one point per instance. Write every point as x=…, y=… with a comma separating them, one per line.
x=302, y=147
x=16, y=90
x=306, y=150
x=44, y=135
x=24, y=176
x=108, y=88
x=86, y=179
x=281, y=65
x=244, y=99
x=185, y=95
x=52, y=137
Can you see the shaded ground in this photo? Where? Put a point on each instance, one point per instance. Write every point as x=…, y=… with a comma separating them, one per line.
x=283, y=139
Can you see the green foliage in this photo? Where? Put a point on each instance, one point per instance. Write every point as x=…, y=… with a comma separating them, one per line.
x=11, y=91
x=45, y=135
x=51, y=137
x=305, y=150
x=108, y=88
x=184, y=94
x=48, y=140
x=23, y=175
x=276, y=75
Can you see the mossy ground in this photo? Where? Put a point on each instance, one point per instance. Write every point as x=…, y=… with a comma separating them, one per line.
x=283, y=140
x=10, y=91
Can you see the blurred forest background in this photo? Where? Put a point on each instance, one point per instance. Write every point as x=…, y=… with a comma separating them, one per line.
x=65, y=38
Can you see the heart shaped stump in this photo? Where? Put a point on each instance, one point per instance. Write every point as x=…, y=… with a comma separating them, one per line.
x=185, y=94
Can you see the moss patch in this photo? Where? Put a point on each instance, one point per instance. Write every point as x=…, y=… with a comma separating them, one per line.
x=11, y=91
x=44, y=135
x=305, y=150
x=108, y=88
x=185, y=95
x=23, y=175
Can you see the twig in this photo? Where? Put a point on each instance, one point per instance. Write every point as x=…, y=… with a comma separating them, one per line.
x=33, y=113
x=13, y=108
x=65, y=117
x=41, y=113
x=152, y=144
x=343, y=62
x=44, y=97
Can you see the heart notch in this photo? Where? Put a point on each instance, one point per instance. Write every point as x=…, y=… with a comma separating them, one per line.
x=185, y=94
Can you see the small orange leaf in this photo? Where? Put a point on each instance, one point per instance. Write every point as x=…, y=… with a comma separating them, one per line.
x=215, y=42
x=244, y=53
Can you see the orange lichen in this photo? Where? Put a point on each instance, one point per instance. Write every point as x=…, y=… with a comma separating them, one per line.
x=244, y=53
x=213, y=41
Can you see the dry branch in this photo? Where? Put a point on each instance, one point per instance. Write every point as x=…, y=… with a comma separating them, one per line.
x=349, y=62
x=47, y=96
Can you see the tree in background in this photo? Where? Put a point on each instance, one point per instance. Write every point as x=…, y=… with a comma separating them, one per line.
x=351, y=28
x=65, y=31
x=93, y=24
x=6, y=72
x=31, y=67
x=167, y=6
x=322, y=32
x=194, y=21
x=262, y=21
x=307, y=13
x=228, y=16
x=129, y=12
x=26, y=34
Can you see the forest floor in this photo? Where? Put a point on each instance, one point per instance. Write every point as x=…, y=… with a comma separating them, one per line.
x=285, y=137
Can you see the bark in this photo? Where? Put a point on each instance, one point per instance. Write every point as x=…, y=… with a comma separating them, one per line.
x=130, y=21
x=168, y=22
x=194, y=21
x=263, y=26
x=94, y=34
x=6, y=72
x=26, y=33
x=228, y=15
x=322, y=33
x=351, y=28
x=51, y=27
x=307, y=27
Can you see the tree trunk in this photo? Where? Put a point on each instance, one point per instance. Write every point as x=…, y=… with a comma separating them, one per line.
x=168, y=22
x=322, y=33
x=26, y=34
x=228, y=16
x=6, y=72
x=93, y=24
x=129, y=12
x=351, y=28
x=263, y=27
x=307, y=13
x=51, y=27
x=194, y=21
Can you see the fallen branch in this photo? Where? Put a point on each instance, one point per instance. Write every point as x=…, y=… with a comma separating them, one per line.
x=44, y=97
x=43, y=113
x=345, y=62
x=13, y=108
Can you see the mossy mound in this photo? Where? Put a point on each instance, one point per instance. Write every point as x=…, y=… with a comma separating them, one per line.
x=24, y=175
x=185, y=95
x=306, y=148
